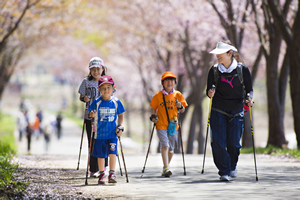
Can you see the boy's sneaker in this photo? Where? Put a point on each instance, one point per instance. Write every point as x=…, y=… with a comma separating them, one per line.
x=101, y=179
x=233, y=173
x=112, y=178
x=166, y=172
x=224, y=178
x=94, y=174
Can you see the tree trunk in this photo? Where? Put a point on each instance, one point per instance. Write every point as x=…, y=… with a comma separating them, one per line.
x=127, y=114
x=200, y=138
x=276, y=127
x=294, y=75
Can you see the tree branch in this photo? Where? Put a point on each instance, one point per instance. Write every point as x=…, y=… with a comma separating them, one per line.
x=259, y=31
x=244, y=19
x=222, y=19
x=280, y=21
x=256, y=63
x=12, y=29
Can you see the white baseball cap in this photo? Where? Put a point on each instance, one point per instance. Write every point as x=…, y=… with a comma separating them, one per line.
x=222, y=48
x=96, y=62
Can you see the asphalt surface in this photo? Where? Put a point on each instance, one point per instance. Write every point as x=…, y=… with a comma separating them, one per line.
x=278, y=178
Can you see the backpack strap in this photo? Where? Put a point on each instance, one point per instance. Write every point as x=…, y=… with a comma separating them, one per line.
x=216, y=74
x=239, y=70
x=166, y=108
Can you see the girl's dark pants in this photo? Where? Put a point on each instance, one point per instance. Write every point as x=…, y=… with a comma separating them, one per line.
x=226, y=133
x=93, y=160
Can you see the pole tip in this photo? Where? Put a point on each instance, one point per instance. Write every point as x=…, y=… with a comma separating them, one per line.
x=202, y=171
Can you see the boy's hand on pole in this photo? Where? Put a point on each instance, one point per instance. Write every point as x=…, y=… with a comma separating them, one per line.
x=119, y=133
x=119, y=130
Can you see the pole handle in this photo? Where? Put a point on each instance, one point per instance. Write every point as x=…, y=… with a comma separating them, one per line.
x=213, y=87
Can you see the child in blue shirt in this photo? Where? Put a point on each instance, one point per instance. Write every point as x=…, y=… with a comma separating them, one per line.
x=107, y=112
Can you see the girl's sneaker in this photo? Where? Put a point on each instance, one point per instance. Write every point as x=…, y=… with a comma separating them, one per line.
x=112, y=178
x=101, y=179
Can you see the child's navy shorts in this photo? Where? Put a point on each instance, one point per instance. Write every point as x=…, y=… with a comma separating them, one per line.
x=104, y=146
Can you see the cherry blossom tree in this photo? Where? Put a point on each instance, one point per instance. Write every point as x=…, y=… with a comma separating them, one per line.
x=12, y=13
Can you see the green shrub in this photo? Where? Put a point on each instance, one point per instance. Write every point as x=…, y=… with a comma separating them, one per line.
x=274, y=151
x=10, y=188
x=7, y=127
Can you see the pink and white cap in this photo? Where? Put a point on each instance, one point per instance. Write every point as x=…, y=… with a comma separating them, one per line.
x=96, y=62
x=223, y=48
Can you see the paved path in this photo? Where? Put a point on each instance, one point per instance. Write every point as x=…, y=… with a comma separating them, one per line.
x=278, y=178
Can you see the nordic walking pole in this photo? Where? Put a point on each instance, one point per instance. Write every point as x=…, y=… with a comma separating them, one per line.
x=123, y=159
x=89, y=156
x=250, y=108
x=119, y=164
x=184, y=172
x=81, y=138
x=208, y=122
x=148, y=148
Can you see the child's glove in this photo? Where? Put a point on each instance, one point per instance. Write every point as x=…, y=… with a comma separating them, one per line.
x=179, y=105
x=153, y=117
x=119, y=127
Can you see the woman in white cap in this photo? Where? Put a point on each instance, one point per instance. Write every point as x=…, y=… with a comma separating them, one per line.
x=232, y=81
x=88, y=91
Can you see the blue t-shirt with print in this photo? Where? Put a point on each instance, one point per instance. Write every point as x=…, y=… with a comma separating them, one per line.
x=106, y=116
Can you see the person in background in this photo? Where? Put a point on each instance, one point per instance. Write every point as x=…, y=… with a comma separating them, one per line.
x=29, y=130
x=21, y=122
x=39, y=114
x=59, y=119
x=36, y=127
